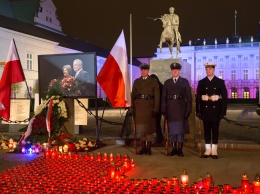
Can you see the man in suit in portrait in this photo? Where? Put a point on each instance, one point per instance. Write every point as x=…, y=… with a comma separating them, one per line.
x=82, y=76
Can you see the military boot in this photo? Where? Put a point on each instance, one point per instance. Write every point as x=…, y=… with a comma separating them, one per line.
x=143, y=149
x=149, y=147
x=174, y=149
x=180, y=153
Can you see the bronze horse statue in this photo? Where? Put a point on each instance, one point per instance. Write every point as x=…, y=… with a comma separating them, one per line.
x=169, y=35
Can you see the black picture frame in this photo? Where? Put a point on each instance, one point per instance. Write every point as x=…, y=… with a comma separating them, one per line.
x=50, y=67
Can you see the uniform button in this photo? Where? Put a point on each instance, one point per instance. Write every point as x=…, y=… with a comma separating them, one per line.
x=206, y=88
x=215, y=88
x=206, y=106
x=213, y=106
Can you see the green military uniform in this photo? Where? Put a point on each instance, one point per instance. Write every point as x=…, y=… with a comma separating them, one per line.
x=145, y=105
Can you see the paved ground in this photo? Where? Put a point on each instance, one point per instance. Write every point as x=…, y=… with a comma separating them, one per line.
x=239, y=150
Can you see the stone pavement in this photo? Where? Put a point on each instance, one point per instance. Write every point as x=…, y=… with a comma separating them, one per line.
x=239, y=150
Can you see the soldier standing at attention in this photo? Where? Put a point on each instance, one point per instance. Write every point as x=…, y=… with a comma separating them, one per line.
x=176, y=107
x=211, y=107
x=145, y=107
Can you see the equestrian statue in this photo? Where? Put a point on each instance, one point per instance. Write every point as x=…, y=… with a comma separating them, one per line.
x=170, y=34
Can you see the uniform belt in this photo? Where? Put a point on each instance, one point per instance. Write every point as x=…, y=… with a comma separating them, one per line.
x=175, y=96
x=144, y=96
x=212, y=98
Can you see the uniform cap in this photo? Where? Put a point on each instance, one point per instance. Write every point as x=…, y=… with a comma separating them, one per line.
x=175, y=66
x=210, y=64
x=144, y=66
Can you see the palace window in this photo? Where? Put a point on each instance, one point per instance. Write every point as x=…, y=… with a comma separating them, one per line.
x=245, y=74
x=257, y=74
x=29, y=60
x=221, y=59
x=199, y=60
x=221, y=74
x=233, y=93
x=233, y=74
x=245, y=58
x=233, y=58
x=210, y=59
x=246, y=93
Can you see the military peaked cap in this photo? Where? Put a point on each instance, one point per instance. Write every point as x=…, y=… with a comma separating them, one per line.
x=144, y=66
x=175, y=66
x=210, y=64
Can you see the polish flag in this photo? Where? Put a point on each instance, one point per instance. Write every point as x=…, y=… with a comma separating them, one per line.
x=12, y=74
x=114, y=78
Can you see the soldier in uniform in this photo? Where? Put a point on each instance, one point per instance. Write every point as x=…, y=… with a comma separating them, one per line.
x=176, y=107
x=211, y=107
x=145, y=107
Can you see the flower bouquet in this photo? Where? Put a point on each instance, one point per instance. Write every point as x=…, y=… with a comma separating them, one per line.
x=68, y=86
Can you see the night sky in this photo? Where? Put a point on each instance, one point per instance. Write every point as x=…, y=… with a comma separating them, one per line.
x=100, y=21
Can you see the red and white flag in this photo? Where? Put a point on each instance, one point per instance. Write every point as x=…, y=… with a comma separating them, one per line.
x=13, y=73
x=114, y=77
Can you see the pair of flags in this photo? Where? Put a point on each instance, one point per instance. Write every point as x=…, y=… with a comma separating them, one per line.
x=12, y=74
x=113, y=77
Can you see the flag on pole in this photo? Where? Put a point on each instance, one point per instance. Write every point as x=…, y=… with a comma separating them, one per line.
x=13, y=73
x=114, y=77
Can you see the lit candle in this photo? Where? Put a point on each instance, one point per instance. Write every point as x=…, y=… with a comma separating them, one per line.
x=256, y=183
x=184, y=179
x=245, y=182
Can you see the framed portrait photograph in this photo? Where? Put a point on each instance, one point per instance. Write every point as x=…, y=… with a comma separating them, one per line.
x=73, y=74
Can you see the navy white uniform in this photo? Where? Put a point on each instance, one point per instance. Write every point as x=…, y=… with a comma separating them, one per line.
x=211, y=107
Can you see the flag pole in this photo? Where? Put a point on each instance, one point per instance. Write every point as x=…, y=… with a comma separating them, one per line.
x=131, y=54
x=22, y=71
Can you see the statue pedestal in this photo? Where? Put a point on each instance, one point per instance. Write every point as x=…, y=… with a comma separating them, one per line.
x=161, y=68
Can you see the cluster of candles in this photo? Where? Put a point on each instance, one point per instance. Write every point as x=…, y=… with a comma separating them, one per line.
x=74, y=173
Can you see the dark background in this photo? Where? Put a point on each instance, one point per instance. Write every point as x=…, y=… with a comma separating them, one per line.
x=100, y=21
x=50, y=67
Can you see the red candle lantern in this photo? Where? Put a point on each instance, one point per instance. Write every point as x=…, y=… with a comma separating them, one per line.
x=245, y=182
x=184, y=179
x=126, y=158
x=132, y=163
x=111, y=157
x=86, y=156
x=91, y=157
x=200, y=183
x=105, y=157
x=112, y=170
x=118, y=159
x=257, y=183
x=174, y=181
x=54, y=154
x=99, y=156
x=47, y=154
x=76, y=156
x=117, y=173
x=208, y=181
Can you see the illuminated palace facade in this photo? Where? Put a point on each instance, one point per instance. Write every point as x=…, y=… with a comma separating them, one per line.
x=237, y=63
